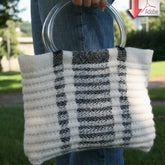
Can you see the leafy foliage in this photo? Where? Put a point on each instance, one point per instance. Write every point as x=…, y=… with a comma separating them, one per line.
x=157, y=23
x=13, y=40
x=154, y=39
x=8, y=15
x=14, y=51
x=149, y=40
x=129, y=26
x=8, y=11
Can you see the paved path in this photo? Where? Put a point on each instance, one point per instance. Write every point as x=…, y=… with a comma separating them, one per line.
x=157, y=82
x=15, y=98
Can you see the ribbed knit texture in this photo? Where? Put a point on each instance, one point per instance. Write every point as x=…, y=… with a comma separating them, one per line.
x=82, y=100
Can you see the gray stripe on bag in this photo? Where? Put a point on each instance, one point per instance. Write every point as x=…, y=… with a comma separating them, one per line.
x=90, y=57
x=93, y=57
x=63, y=118
x=127, y=133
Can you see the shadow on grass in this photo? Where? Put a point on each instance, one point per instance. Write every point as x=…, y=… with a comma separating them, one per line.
x=10, y=86
x=157, y=94
x=13, y=73
x=9, y=82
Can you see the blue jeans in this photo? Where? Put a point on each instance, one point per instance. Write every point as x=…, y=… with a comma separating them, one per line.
x=77, y=29
x=111, y=156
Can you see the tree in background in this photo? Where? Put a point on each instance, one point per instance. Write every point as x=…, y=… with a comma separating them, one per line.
x=154, y=38
x=13, y=40
x=129, y=26
x=157, y=23
x=8, y=15
x=8, y=11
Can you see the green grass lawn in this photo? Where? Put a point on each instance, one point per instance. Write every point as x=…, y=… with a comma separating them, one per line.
x=10, y=81
x=157, y=94
x=11, y=137
x=11, y=140
x=157, y=69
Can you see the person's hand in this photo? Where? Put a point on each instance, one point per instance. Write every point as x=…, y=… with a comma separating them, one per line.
x=91, y=3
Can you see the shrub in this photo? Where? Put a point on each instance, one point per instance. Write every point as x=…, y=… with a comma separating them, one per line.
x=149, y=40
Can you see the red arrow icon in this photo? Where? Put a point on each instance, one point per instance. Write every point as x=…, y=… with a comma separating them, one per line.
x=134, y=11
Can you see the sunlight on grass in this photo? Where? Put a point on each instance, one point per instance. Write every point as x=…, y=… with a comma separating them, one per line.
x=10, y=82
x=157, y=69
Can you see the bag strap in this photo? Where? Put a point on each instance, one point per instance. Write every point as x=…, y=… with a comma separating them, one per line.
x=47, y=30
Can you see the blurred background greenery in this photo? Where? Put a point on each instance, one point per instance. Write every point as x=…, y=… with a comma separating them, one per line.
x=151, y=34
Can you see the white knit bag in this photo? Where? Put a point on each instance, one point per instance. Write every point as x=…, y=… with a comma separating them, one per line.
x=81, y=100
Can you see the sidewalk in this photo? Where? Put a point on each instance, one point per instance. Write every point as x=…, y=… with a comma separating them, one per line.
x=15, y=98
x=10, y=99
x=156, y=82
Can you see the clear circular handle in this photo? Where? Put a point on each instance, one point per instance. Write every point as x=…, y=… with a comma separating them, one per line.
x=47, y=30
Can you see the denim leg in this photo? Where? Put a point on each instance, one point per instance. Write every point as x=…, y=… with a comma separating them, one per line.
x=113, y=156
x=97, y=29
x=90, y=157
x=36, y=28
x=107, y=156
x=63, y=160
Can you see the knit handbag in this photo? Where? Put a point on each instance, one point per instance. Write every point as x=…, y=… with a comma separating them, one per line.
x=82, y=100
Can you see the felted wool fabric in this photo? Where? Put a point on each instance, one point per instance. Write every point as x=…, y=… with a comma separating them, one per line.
x=84, y=100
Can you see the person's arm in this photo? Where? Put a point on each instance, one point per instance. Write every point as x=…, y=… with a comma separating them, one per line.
x=91, y=3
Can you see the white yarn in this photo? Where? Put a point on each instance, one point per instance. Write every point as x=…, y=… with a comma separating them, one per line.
x=67, y=104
